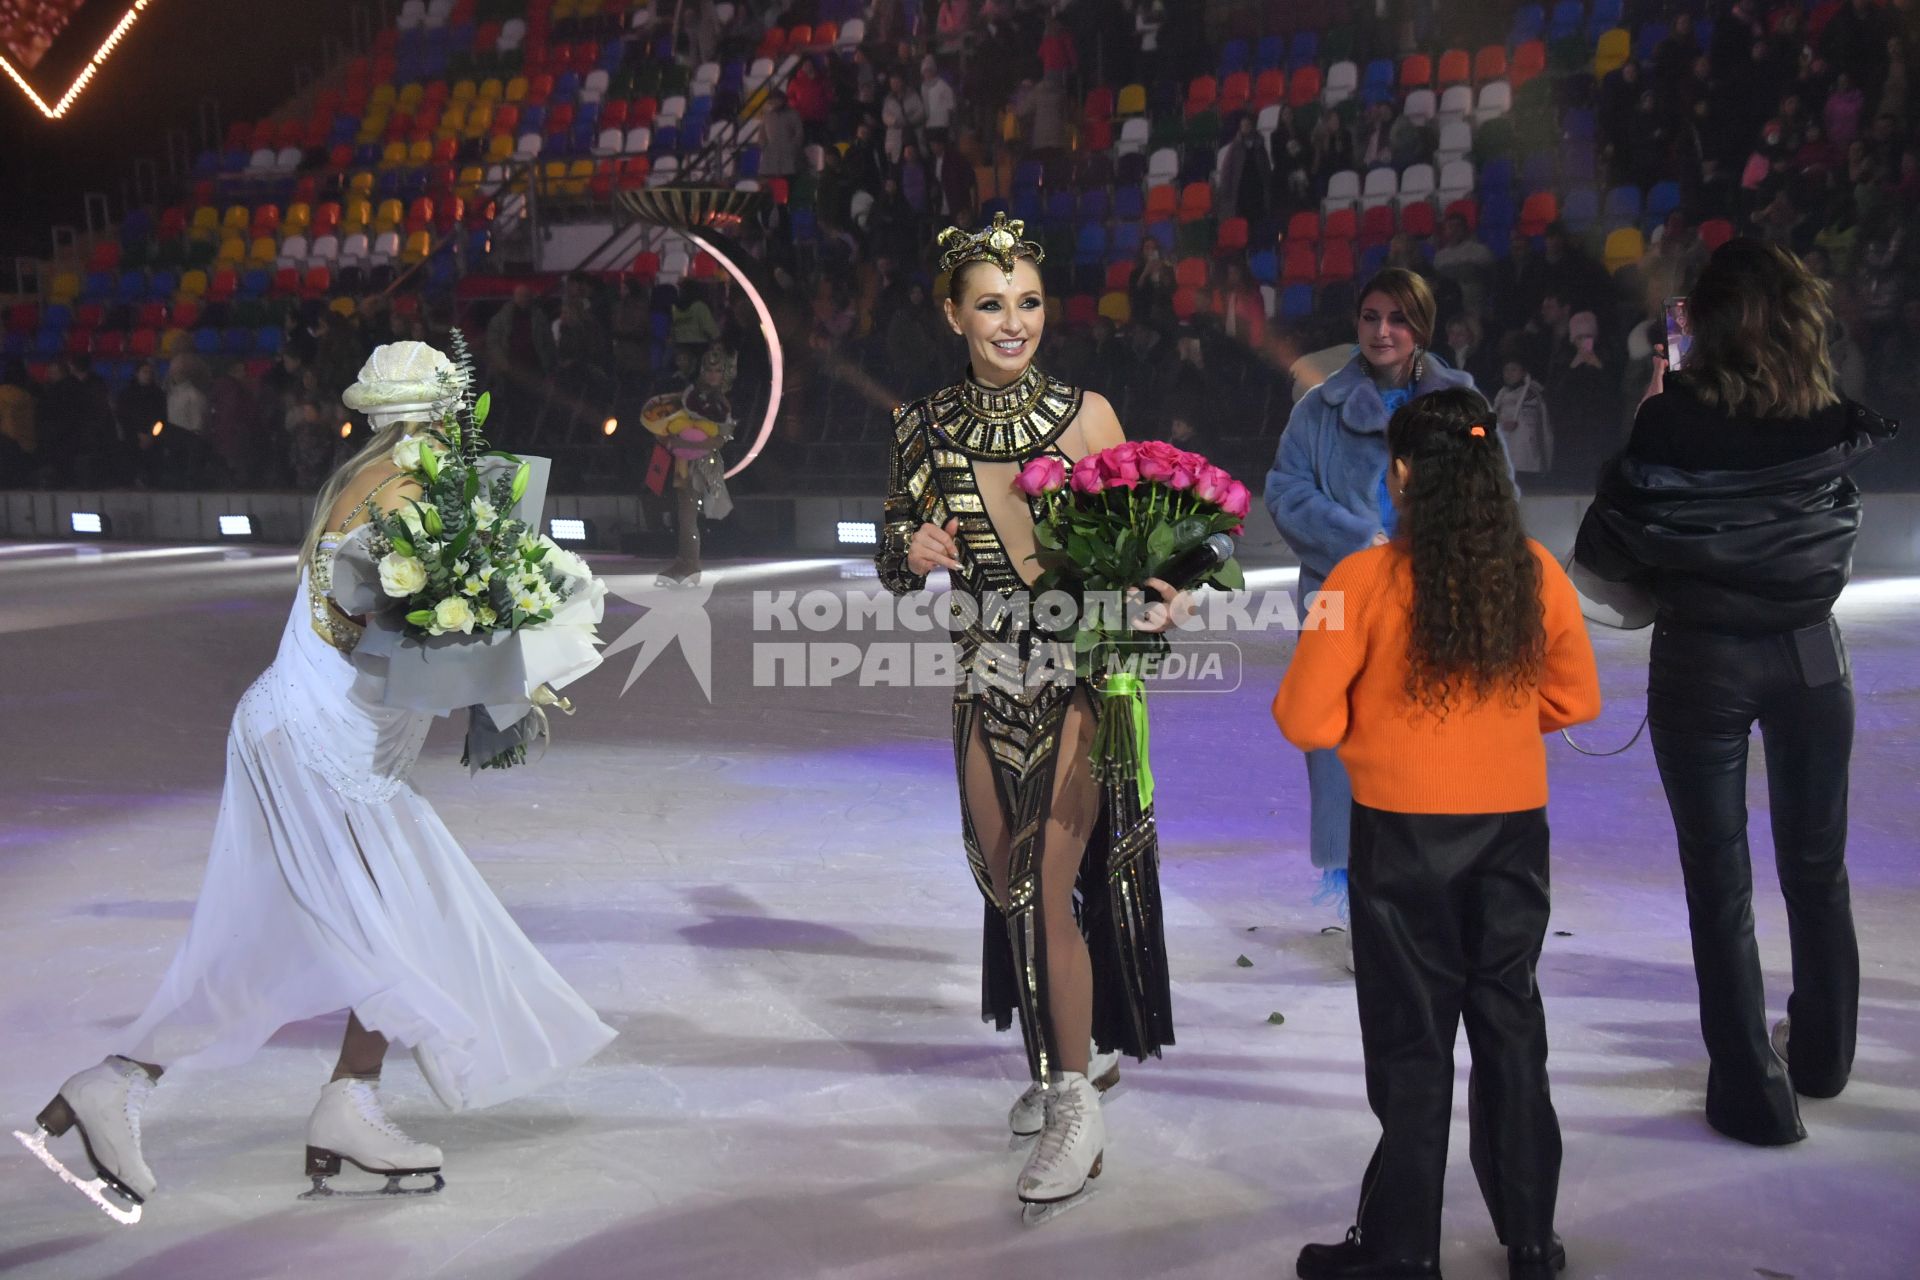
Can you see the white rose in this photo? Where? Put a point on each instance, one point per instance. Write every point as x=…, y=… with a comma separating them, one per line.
x=406, y=454
x=487, y=616
x=400, y=575
x=452, y=614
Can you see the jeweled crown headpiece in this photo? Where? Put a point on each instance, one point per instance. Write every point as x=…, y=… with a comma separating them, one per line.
x=999, y=243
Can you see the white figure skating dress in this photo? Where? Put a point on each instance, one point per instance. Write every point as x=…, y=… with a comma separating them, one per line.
x=333, y=885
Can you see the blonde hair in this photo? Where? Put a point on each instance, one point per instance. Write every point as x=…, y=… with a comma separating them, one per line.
x=1410, y=293
x=384, y=439
x=1759, y=322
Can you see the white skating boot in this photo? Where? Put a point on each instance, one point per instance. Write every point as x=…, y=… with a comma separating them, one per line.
x=104, y=1103
x=349, y=1125
x=1029, y=1114
x=1071, y=1148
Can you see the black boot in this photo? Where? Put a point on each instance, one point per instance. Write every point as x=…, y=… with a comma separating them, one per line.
x=1536, y=1261
x=1350, y=1260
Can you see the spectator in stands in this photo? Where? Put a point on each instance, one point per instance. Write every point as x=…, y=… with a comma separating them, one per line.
x=1151, y=286
x=952, y=187
x=1327, y=491
x=1291, y=159
x=1059, y=59
x=519, y=352
x=937, y=96
x=1465, y=261
x=1581, y=396
x=140, y=405
x=1467, y=350
x=812, y=99
x=783, y=138
x=1243, y=175
x=1520, y=409
x=1042, y=111
x=19, y=437
x=187, y=450
x=1570, y=271
x=1373, y=138
x=952, y=23
x=1856, y=40
x=1237, y=304
x=1332, y=149
x=89, y=440
x=864, y=161
x=693, y=328
x=903, y=113
x=1545, y=344
x=1842, y=112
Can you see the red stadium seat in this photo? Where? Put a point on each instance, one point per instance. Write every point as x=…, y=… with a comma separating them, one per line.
x=1341, y=224
x=1336, y=262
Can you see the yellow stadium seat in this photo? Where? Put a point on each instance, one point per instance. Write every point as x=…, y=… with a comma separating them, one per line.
x=238, y=218
x=298, y=217
x=205, y=224
x=564, y=9
x=453, y=117
x=479, y=119
x=361, y=184
x=175, y=341
x=420, y=152
x=341, y=307
x=499, y=148
x=1625, y=247
x=579, y=177
x=463, y=91
x=264, y=252
x=417, y=247
x=383, y=95
x=1115, y=307
x=193, y=284
x=233, y=252
x=517, y=89
x=553, y=176
x=393, y=155
x=470, y=179
x=490, y=90
x=356, y=215
x=1132, y=101
x=410, y=96
x=66, y=287
x=388, y=216
x=1615, y=47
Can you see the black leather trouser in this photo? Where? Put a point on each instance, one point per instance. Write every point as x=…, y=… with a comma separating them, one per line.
x=1449, y=911
x=1705, y=691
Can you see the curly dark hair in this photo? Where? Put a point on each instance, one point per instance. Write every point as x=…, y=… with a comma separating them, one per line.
x=1478, y=625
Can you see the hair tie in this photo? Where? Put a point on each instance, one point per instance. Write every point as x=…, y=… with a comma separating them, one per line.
x=1476, y=431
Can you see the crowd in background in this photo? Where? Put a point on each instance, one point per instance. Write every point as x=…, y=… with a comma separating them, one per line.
x=1793, y=126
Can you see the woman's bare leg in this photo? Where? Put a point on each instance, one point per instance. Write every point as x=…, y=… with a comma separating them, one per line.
x=1074, y=810
x=361, y=1052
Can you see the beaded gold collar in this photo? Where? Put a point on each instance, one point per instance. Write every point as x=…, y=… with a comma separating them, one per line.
x=1002, y=424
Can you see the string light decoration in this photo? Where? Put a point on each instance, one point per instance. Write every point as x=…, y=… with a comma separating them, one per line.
x=87, y=73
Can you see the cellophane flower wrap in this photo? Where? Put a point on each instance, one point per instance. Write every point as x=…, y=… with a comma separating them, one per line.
x=458, y=559
x=1104, y=526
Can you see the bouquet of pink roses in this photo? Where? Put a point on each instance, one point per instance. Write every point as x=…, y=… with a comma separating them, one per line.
x=1119, y=517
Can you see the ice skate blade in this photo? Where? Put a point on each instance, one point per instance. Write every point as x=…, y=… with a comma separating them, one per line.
x=94, y=1189
x=393, y=1189
x=1038, y=1215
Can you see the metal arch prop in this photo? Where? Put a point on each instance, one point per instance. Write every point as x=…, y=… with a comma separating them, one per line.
x=768, y=333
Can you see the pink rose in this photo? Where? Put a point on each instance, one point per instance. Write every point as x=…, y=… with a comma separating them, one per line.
x=1195, y=462
x=1154, y=467
x=1128, y=449
x=1181, y=479
x=1211, y=485
x=1044, y=474
x=1087, y=477
x=1238, y=501
x=1116, y=470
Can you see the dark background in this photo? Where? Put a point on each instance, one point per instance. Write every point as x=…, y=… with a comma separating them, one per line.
x=243, y=53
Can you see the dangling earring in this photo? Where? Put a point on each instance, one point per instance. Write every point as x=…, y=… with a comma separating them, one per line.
x=1419, y=365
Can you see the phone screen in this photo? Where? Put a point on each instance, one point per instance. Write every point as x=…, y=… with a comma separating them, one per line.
x=1678, y=337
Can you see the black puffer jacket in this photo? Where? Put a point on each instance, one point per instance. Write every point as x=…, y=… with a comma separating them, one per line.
x=1734, y=525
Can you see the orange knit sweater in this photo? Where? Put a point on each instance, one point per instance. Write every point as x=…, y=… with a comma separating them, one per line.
x=1346, y=688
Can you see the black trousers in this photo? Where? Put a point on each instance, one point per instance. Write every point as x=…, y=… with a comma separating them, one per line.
x=1449, y=911
x=1705, y=691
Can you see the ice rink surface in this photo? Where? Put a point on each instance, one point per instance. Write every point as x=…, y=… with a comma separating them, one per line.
x=765, y=895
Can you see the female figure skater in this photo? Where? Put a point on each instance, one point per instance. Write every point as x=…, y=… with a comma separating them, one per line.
x=1040, y=831
x=333, y=885
x=1462, y=644
x=1327, y=491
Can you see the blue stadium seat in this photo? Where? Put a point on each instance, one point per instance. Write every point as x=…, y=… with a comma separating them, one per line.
x=1234, y=56
x=1623, y=207
x=1577, y=126
x=207, y=341
x=133, y=287
x=1094, y=206
x=267, y=339
x=1538, y=171
x=1606, y=16
x=1496, y=177
x=1265, y=267
x=1661, y=201
x=1296, y=302
x=1581, y=209
x=1304, y=51
x=236, y=342
x=1029, y=175
x=136, y=226
x=1568, y=18
x=1648, y=40
x=1125, y=242
x=1026, y=204
x=1577, y=164
x=49, y=344
x=1529, y=23
x=1090, y=245
x=1163, y=235
x=1129, y=205
x=57, y=318
x=1060, y=206
x=1270, y=53
x=1377, y=85
x=256, y=282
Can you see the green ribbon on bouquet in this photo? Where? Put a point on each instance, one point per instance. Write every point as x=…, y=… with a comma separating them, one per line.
x=1120, y=741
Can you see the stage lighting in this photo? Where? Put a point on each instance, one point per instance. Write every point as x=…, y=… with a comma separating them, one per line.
x=566, y=529
x=858, y=533
x=346, y=430
x=610, y=426
x=236, y=526
x=90, y=523
x=158, y=427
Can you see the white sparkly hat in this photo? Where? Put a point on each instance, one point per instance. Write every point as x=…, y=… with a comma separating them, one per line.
x=402, y=379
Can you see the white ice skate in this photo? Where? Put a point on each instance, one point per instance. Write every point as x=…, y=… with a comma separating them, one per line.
x=1068, y=1156
x=104, y=1103
x=348, y=1125
x=1029, y=1114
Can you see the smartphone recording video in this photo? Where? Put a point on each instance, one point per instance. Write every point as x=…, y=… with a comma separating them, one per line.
x=1678, y=337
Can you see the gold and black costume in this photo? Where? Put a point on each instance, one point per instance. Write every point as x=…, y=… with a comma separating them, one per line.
x=933, y=478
